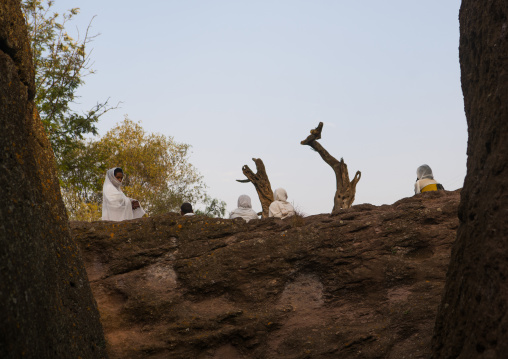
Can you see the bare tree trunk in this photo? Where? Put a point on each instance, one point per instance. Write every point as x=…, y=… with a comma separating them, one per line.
x=346, y=190
x=261, y=182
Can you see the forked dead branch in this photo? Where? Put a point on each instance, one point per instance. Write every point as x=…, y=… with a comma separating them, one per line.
x=346, y=189
x=261, y=182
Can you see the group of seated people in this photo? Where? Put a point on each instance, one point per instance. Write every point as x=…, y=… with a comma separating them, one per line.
x=116, y=206
x=280, y=208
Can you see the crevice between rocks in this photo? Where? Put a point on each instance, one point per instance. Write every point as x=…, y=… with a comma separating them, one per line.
x=11, y=52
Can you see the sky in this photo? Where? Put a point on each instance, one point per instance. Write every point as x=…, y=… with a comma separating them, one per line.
x=249, y=79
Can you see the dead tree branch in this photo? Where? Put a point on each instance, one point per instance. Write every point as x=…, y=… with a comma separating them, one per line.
x=261, y=182
x=346, y=190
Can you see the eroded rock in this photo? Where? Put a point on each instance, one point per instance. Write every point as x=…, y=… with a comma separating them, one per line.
x=363, y=284
x=473, y=320
x=47, y=306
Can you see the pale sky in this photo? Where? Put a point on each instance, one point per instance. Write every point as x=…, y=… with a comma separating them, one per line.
x=243, y=79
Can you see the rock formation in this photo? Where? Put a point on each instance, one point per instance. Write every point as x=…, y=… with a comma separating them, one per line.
x=365, y=283
x=47, y=306
x=473, y=318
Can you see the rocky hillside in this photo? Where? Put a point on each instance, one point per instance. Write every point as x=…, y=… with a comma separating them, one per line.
x=363, y=284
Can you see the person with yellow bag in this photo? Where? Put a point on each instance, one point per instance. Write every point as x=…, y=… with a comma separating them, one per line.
x=425, y=181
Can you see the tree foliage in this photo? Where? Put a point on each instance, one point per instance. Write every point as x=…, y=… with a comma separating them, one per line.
x=156, y=169
x=61, y=63
x=214, y=207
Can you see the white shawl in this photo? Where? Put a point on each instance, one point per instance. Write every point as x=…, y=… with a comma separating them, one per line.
x=424, y=172
x=116, y=206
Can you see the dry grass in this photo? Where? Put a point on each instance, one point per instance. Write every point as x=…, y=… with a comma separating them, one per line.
x=298, y=220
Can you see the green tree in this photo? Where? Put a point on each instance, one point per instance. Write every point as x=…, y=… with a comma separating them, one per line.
x=60, y=63
x=156, y=168
x=214, y=207
x=81, y=181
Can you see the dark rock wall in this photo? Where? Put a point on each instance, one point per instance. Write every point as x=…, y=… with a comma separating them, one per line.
x=47, y=309
x=363, y=284
x=473, y=317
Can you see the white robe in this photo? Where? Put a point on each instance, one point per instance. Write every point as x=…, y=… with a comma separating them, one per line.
x=280, y=207
x=244, y=209
x=420, y=184
x=116, y=206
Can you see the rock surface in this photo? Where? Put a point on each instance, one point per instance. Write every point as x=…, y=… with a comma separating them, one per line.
x=363, y=284
x=473, y=317
x=47, y=306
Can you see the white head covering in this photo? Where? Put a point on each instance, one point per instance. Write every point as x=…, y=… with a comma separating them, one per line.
x=244, y=209
x=280, y=194
x=110, y=176
x=116, y=206
x=424, y=172
x=244, y=201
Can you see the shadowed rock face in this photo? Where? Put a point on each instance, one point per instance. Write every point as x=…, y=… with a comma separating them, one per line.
x=47, y=309
x=473, y=317
x=363, y=284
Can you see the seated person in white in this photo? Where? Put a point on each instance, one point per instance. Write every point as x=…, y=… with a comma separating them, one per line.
x=425, y=180
x=186, y=209
x=244, y=209
x=280, y=207
x=116, y=206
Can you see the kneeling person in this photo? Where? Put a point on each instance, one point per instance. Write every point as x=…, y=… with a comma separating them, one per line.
x=244, y=209
x=280, y=207
x=425, y=181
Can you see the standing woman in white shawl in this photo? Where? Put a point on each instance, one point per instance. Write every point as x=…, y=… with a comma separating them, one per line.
x=116, y=206
x=280, y=207
x=244, y=209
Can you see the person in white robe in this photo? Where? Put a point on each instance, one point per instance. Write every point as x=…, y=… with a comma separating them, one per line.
x=116, y=206
x=244, y=209
x=280, y=207
x=425, y=180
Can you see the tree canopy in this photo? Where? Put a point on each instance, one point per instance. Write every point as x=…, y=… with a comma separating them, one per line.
x=61, y=63
x=156, y=168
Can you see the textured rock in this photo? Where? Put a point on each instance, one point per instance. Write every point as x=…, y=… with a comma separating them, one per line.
x=473, y=317
x=47, y=307
x=363, y=284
